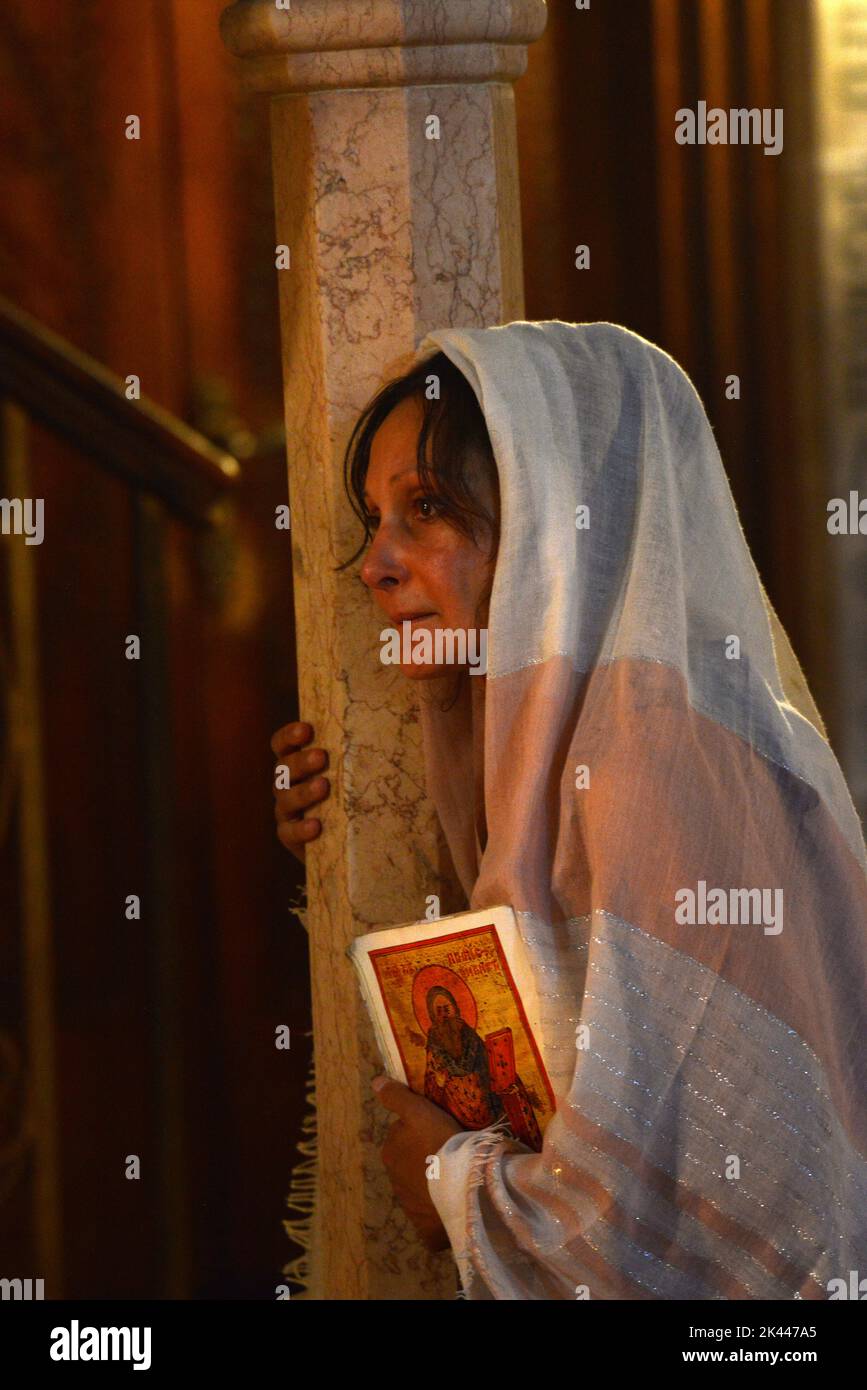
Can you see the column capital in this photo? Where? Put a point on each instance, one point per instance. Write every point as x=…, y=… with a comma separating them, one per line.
x=322, y=45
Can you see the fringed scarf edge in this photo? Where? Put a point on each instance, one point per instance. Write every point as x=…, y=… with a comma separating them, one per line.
x=303, y=1174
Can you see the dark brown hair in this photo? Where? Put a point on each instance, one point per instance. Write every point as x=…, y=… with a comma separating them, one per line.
x=459, y=440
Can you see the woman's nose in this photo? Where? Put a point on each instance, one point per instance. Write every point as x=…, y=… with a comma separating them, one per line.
x=383, y=567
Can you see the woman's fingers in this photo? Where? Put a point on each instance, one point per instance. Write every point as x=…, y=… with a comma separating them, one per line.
x=286, y=745
x=290, y=801
x=294, y=834
x=295, y=776
x=290, y=736
x=305, y=787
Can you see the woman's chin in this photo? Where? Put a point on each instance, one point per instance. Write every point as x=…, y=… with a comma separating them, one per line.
x=421, y=672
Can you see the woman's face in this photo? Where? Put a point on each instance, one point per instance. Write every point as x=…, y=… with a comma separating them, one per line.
x=418, y=566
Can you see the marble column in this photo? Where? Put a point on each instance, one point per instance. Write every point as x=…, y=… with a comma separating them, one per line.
x=396, y=194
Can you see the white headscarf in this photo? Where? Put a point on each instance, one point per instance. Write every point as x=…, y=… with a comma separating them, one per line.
x=645, y=729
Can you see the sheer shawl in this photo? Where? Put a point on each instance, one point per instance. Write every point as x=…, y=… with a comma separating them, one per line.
x=711, y=1129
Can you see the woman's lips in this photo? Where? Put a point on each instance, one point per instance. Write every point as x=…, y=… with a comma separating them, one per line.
x=413, y=618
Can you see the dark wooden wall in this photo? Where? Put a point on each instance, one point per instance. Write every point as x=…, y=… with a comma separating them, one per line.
x=156, y=256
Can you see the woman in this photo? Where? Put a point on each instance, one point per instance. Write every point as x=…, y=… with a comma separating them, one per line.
x=643, y=776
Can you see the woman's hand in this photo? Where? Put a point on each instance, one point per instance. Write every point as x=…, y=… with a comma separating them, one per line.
x=421, y=1130
x=305, y=788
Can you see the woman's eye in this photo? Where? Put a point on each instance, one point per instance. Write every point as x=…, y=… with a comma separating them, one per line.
x=371, y=521
x=432, y=507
